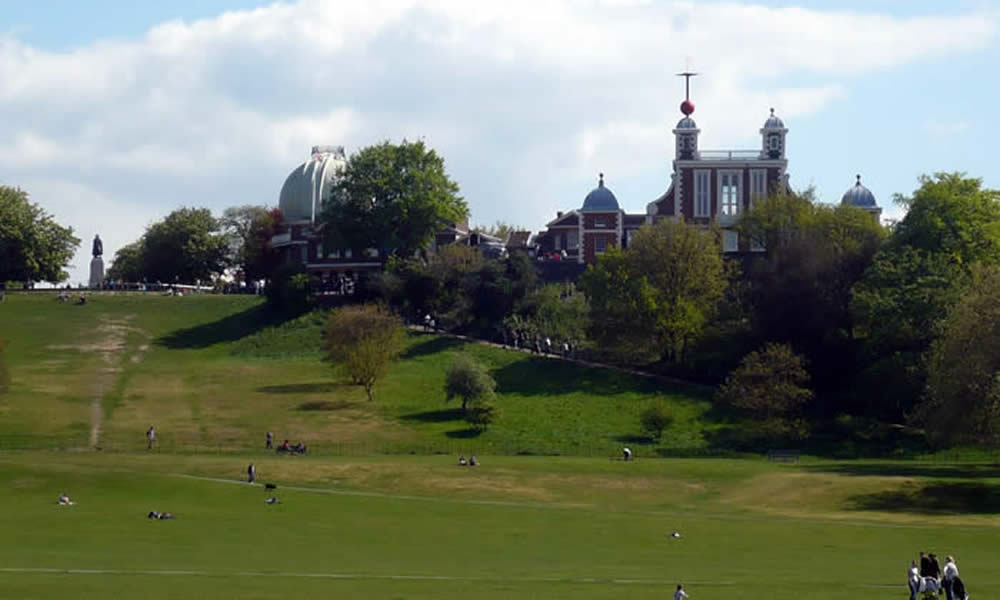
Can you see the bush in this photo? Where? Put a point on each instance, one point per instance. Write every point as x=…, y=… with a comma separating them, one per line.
x=654, y=420
x=480, y=415
x=288, y=290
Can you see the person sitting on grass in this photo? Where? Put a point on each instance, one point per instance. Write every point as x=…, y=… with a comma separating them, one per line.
x=461, y=461
x=64, y=500
x=472, y=461
x=284, y=447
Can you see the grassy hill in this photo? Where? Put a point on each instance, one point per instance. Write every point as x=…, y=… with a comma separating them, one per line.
x=213, y=373
x=375, y=512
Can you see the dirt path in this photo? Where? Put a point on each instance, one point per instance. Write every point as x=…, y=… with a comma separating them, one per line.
x=109, y=343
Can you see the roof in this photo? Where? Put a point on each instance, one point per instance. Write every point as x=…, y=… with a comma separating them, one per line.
x=686, y=123
x=308, y=186
x=600, y=199
x=773, y=122
x=518, y=239
x=860, y=196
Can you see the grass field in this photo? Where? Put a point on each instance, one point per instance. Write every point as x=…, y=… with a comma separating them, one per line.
x=515, y=527
x=374, y=512
x=212, y=376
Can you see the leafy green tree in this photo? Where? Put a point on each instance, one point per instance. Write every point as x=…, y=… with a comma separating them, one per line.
x=469, y=380
x=4, y=371
x=963, y=384
x=654, y=420
x=127, y=264
x=363, y=341
x=393, y=197
x=186, y=246
x=249, y=230
x=769, y=386
x=654, y=298
x=33, y=247
x=558, y=311
x=951, y=223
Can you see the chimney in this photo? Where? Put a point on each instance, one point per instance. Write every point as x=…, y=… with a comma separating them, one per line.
x=559, y=214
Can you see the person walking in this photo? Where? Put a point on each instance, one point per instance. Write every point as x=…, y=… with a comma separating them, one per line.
x=935, y=568
x=269, y=441
x=150, y=438
x=680, y=594
x=925, y=565
x=913, y=579
x=251, y=473
x=950, y=574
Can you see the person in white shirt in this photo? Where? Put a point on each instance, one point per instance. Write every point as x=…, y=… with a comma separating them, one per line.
x=626, y=454
x=913, y=579
x=150, y=438
x=950, y=573
x=680, y=594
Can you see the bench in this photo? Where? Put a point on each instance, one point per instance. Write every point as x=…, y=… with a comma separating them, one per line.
x=783, y=455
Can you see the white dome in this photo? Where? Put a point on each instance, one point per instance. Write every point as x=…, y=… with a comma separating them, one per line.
x=309, y=185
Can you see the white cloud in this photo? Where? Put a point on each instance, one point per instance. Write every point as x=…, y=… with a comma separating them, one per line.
x=520, y=97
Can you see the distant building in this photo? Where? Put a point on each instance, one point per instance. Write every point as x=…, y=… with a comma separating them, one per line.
x=299, y=239
x=861, y=197
x=706, y=186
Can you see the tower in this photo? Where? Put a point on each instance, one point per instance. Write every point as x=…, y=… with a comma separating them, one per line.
x=686, y=132
x=772, y=137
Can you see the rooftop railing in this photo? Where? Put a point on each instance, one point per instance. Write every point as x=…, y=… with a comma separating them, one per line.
x=729, y=154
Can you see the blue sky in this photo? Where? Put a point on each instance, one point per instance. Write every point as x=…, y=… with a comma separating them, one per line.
x=115, y=113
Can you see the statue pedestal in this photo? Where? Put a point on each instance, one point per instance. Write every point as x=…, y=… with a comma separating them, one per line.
x=96, y=272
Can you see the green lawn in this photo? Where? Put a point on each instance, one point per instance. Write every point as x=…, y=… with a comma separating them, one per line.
x=380, y=510
x=515, y=527
x=212, y=376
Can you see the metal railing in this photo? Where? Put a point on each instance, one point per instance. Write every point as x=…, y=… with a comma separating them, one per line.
x=729, y=154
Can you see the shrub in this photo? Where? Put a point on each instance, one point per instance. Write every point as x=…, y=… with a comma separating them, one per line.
x=480, y=415
x=654, y=420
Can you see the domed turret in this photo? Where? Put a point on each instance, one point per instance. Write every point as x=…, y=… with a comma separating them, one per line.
x=772, y=136
x=600, y=199
x=309, y=185
x=859, y=196
x=686, y=123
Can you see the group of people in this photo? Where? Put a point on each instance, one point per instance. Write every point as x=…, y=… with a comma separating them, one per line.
x=929, y=576
x=538, y=344
x=285, y=446
x=471, y=462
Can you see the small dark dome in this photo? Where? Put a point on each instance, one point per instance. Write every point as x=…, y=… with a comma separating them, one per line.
x=860, y=196
x=773, y=122
x=686, y=123
x=600, y=199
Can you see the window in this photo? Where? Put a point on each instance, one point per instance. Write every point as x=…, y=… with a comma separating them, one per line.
x=572, y=240
x=756, y=245
x=729, y=193
x=702, y=205
x=334, y=254
x=305, y=254
x=348, y=253
x=600, y=245
x=557, y=242
x=758, y=184
x=730, y=241
x=774, y=143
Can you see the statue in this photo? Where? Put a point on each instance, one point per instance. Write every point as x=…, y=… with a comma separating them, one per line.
x=98, y=249
x=97, y=264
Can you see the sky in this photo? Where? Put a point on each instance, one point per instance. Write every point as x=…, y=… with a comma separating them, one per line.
x=114, y=113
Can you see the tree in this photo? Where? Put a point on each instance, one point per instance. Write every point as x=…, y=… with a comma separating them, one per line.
x=654, y=420
x=468, y=380
x=393, y=198
x=799, y=290
x=363, y=341
x=481, y=415
x=127, y=264
x=963, y=383
x=951, y=223
x=33, y=247
x=4, y=371
x=249, y=230
x=769, y=386
x=186, y=246
x=558, y=311
x=654, y=298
